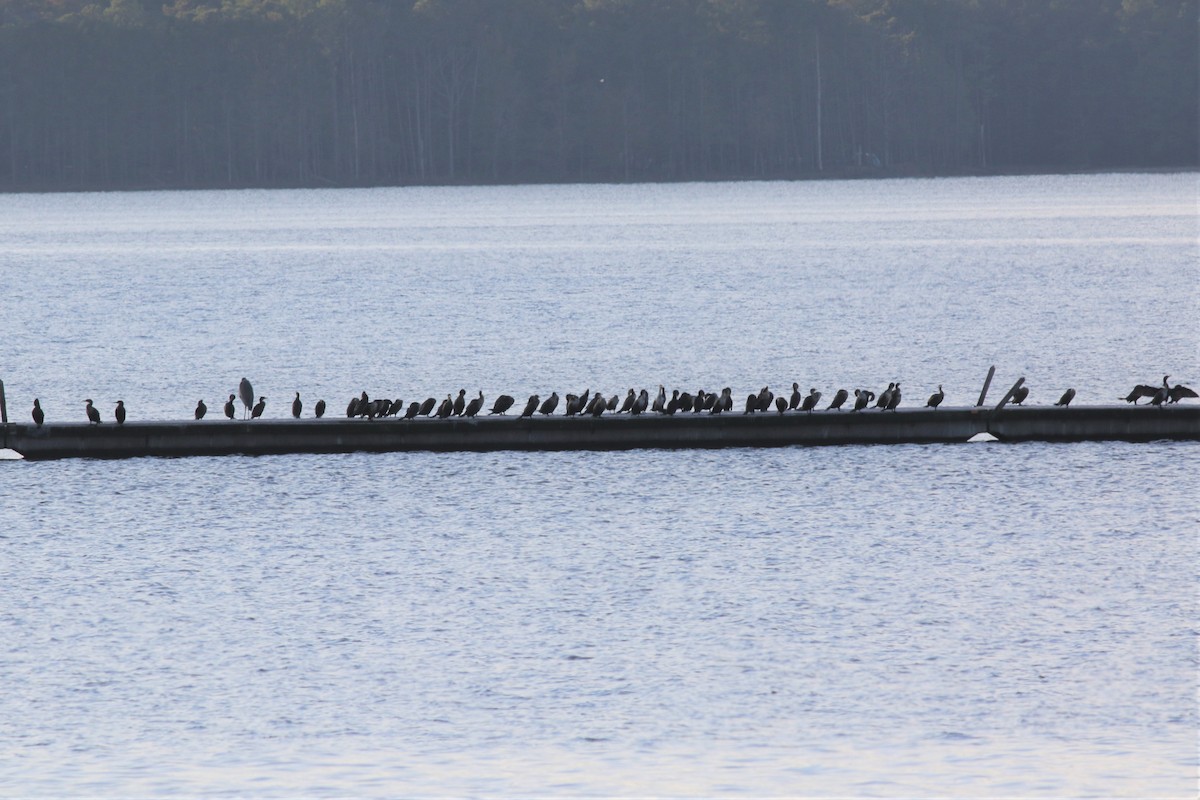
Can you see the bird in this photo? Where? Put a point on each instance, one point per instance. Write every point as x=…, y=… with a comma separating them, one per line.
x=395, y=408
x=93, y=413
x=1161, y=394
x=611, y=405
x=38, y=415
x=549, y=405
x=936, y=398
x=258, y=408
x=229, y=407
x=473, y=407
x=811, y=401
x=1140, y=391
x=685, y=401
x=414, y=408
x=781, y=404
x=1019, y=394
x=460, y=402
x=246, y=393
x=297, y=406
x=427, y=406
x=751, y=404
x=862, y=397
x=1066, y=399
x=201, y=410
x=885, y=396
x=660, y=400
x=319, y=409
x=352, y=408
x=531, y=406
x=630, y=399
x=119, y=412
x=796, y=399
x=764, y=399
x=640, y=405
x=672, y=404
x=446, y=408
x=503, y=403
x=894, y=400
x=839, y=398
x=598, y=405
x=1179, y=392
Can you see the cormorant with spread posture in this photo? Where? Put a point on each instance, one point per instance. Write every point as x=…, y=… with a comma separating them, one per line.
x=503, y=403
x=119, y=412
x=319, y=409
x=1180, y=392
x=229, y=407
x=1066, y=399
x=259, y=407
x=39, y=416
x=297, y=406
x=93, y=413
x=1161, y=394
x=531, y=406
x=839, y=398
x=936, y=398
x=201, y=410
x=1140, y=391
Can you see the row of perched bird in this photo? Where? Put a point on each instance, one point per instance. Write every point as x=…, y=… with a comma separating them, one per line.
x=635, y=403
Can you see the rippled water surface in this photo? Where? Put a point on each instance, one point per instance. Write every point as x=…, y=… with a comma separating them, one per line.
x=973, y=620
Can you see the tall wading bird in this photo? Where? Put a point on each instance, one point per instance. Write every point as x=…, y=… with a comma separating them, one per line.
x=246, y=393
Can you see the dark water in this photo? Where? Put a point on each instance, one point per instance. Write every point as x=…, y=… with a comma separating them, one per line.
x=966, y=621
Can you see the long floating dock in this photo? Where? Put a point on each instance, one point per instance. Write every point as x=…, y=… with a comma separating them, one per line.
x=766, y=429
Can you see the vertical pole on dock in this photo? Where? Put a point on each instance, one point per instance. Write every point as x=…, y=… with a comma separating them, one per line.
x=1011, y=392
x=986, y=384
x=3, y=406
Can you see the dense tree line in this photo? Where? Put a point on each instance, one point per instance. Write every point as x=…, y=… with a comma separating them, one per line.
x=213, y=93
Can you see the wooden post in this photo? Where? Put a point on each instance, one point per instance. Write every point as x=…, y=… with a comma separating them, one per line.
x=987, y=383
x=3, y=406
x=1011, y=392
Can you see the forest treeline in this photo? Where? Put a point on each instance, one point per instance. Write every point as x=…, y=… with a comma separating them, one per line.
x=230, y=93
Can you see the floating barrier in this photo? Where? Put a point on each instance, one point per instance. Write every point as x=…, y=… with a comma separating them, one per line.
x=610, y=432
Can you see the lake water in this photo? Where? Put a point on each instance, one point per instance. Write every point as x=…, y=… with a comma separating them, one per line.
x=982, y=620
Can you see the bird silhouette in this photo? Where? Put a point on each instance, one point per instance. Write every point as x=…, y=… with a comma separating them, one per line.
x=201, y=410
x=246, y=393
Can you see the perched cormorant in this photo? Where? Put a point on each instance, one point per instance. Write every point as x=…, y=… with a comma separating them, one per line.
x=229, y=407
x=894, y=400
x=839, y=398
x=672, y=404
x=93, y=413
x=811, y=401
x=396, y=407
x=460, y=403
x=781, y=404
x=201, y=410
x=685, y=402
x=319, y=409
x=751, y=404
x=660, y=400
x=1140, y=391
x=640, y=404
x=1161, y=394
x=630, y=399
x=446, y=408
x=1019, y=395
x=38, y=415
x=551, y=403
x=862, y=397
x=119, y=412
x=764, y=399
x=414, y=408
x=1066, y=399
x=598, y=405
x=796, y=399
x=531, y=406
x=258, y=408
x=611, y=405
x=246, y=393
x=427, y=406
x=473, y=407
x=936, y=398
x=352, y=408
x=885, y=397
x=503, y=403
x=297, y=406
